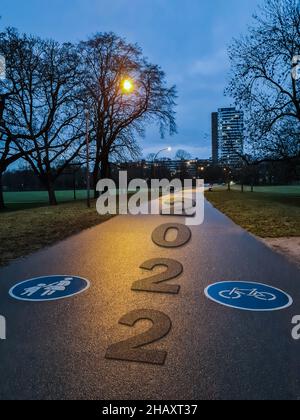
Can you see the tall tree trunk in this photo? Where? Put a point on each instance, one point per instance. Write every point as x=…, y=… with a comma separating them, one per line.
x=51, y=193
x=2, y=204
x=104, y=172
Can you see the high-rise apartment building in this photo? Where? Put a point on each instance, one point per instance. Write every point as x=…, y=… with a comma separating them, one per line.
x=214, y=136
x=227, y=136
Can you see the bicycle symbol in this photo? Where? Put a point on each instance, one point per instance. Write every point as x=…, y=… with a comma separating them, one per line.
x=236, y=293
x=248, y=296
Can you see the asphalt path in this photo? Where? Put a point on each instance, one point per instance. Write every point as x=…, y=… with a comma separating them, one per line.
x=56, y=350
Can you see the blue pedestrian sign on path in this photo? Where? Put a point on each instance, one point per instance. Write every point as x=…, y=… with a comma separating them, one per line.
x=43, y=289
x=248, y=296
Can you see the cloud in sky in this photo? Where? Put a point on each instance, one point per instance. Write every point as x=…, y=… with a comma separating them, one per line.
x=211, y=65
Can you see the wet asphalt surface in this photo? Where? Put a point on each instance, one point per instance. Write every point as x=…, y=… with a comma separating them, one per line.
x=56, y=350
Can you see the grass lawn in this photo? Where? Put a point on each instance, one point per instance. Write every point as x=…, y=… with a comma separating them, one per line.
x=281, y=189
x=29, y=223
x=32, y=199
x=25, y=231
x=265, y=214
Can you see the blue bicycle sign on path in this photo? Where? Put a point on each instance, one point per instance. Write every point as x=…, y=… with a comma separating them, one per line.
x=248, y=296
x=49, y=288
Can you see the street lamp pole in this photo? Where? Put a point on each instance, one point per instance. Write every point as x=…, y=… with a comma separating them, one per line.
x=169, y=149
x=88, y=184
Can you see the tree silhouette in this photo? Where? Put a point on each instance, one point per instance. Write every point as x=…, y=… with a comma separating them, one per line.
x=264, y=80
x=118, y=117
x=43, y=116
x=182, y=155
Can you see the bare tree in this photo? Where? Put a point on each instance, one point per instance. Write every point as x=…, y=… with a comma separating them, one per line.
x=150, y=157
x=125, y=148
x=44, y=115
x=10, y=152
x=7, y=157
x=10, y=135
x=264, y=82
x=119, y=115
x=182, y=155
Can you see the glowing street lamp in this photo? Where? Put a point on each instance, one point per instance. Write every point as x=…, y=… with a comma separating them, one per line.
x=127, y=86
x=168, y=149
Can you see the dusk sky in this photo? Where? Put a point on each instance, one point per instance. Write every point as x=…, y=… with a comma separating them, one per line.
x=188, y=39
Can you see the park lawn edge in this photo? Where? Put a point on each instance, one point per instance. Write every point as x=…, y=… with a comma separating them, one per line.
x=263, y=215
x=24, y=232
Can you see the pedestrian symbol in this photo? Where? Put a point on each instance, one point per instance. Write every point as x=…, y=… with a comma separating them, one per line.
x=49, y=288
x=248, y=296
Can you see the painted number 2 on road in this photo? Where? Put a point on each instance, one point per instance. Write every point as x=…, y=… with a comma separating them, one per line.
x=248, y=296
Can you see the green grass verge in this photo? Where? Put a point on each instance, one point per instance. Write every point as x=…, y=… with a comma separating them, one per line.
x=32, y=199
x=268, y=215
x=280, y=189
x=26, y=231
